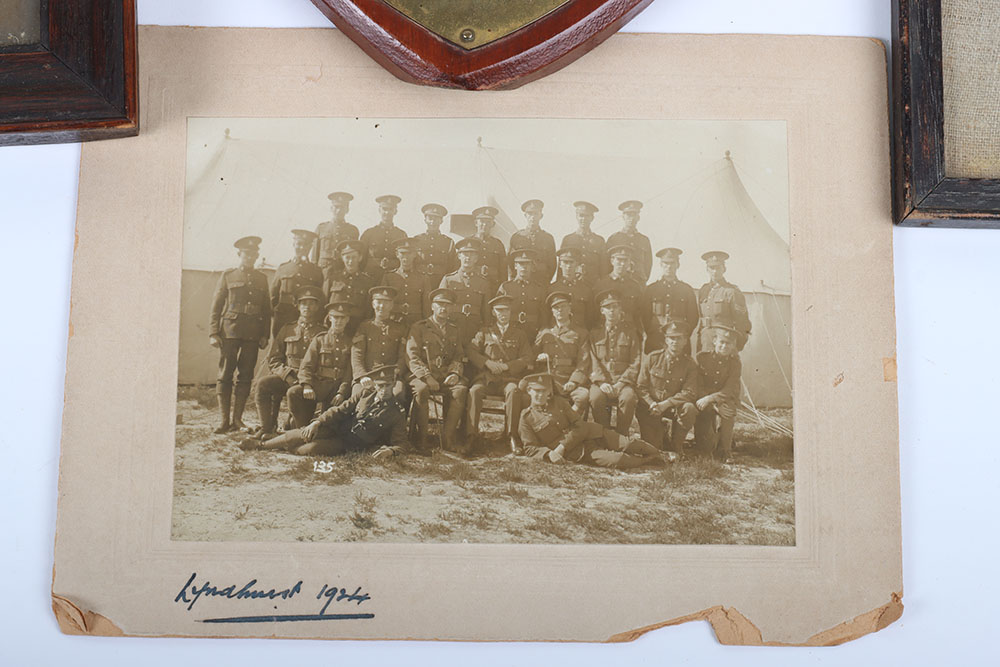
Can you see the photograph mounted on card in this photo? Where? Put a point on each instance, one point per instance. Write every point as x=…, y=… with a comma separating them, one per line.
x=477, y=44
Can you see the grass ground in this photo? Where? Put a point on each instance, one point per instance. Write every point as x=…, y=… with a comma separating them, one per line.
x=224, y=493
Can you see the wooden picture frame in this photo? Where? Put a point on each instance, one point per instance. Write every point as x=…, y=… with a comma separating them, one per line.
x=923, y=195
x=79, y=82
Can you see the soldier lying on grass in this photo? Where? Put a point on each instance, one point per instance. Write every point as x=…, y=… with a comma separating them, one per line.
x=552, y=431
x=373, y=420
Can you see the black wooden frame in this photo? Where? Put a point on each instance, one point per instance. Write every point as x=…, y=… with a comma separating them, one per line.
x=79, y=83
x=922, y=195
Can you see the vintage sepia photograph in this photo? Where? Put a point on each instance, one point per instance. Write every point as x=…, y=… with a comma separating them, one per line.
x=485, y=331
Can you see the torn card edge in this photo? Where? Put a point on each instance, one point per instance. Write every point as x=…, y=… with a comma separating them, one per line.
x=730, y=626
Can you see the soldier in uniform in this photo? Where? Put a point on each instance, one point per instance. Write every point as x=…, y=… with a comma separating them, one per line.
x=436, y=251
x=372, y=420
x=381, y=239
x=537, y=239
x=436, y=358
x=239, y=327
x=527, y=295
x=492, y=264
x=499, y=355
x=721, y=302
x=719, y=372
x=593, y=250
x=325, y=371
x=331, y=233
x=667, y=384
x=285, y=357
x=638, y=243
x=564, y=349
x=667, y=299
x=616, y=351
x=569, y=281
x=379, y=343
x=470, y=288
x=350, y=283
x=620, y=281
x=552, y=431
x=289, y=277
x=412, y=302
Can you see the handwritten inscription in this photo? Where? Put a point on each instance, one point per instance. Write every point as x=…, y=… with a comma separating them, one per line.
x=192, y=591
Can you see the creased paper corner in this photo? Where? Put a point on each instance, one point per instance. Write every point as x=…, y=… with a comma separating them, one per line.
x=75, y=621
x=733, y=628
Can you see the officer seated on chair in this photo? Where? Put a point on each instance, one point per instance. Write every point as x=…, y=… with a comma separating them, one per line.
x=667, y=385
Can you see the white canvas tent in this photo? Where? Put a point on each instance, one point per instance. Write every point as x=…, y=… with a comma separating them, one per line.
x=267, y=185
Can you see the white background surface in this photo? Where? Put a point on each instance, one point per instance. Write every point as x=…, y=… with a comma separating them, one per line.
x=947, y=323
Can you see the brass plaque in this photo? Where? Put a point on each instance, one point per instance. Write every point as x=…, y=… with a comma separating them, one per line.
x=473, y=23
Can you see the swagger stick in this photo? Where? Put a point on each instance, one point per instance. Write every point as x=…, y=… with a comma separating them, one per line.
x=440, y=406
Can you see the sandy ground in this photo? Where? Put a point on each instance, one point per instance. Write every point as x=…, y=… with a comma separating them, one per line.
x=224, y=493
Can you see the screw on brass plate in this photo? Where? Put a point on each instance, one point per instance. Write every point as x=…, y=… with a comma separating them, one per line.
x=468, y=35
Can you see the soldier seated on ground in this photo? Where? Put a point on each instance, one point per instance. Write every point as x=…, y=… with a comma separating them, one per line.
x=718, y=394
x=667, y=385
x=552, y=431
x=374, y=420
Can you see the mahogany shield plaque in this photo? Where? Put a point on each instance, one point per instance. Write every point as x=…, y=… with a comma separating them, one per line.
x=477, y=44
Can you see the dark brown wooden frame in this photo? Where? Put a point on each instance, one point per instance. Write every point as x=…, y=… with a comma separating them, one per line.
x=417, y=55
x=79, y=82
x=922, y=194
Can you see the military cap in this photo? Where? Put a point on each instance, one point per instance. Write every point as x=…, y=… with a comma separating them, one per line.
x=673, y=330
x=729, y=332
x=309, y=292
x=304, y=234
x=489, y=212
x=405, y=245
x=630, y=205
x=715, y=257
x=388, y=199
x=383, y=292
x=248, y=243
x=556, y=298
x=608, y=296
x=501, y=300
x=540, y=380
x=443, y=295
x=532, y=205
x=469, y=245
x=345, y=247
x=434, y=209
x=585, y=205
x=383, y=373
x=620, y=249
x=670, y=253
x=345, y=308
x=524, y=255
x=573, y=250
x=342, y=197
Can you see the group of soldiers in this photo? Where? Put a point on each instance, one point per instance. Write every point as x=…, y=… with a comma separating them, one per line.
x=368, y=332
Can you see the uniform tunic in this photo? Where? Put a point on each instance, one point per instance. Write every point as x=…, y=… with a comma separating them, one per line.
x=719, y=382
x=326, y=366
x=289, y=277
x=330, y=235
x=616, y=353
x=471, y=296
x=381, y=241
x=241, y=317
x=283, y=361
x=642, y=253
x=353, y=288
x=377, y=345
x=595, y=255
x=544, y=246
x=568, y=349
x=511, y=347
x=434, y=350
x=412, y=302
x=664, y=301
x=671, y=379
x=436, y=256
x=364, y=422
x=492, y=264
x=724, y=303
x=528, y=305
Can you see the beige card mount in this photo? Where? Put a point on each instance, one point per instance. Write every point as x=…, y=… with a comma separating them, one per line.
x=129, y=557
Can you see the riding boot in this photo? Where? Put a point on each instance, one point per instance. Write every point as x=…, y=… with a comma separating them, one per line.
x=224, y=393
x=240, y=395
x=265, y=410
